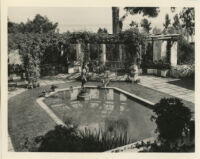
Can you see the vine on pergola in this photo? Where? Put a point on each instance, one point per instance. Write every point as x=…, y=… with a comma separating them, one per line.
x=36, y=48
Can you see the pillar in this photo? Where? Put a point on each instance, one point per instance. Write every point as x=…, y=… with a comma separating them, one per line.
x=156, y=50
x=78, y=51
x=173, y=53
x=120, y=52
x=163, y=50
x=140, y=46
x=103, y=54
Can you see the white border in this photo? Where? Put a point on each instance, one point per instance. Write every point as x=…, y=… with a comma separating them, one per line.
x=91, y=3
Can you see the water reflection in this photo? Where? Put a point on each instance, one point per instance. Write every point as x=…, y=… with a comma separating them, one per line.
x=107, y=109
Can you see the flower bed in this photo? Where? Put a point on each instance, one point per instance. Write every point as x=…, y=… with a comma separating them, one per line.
x=183, y=71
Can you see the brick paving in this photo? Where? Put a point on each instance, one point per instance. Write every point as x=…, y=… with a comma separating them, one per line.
x=162, y=85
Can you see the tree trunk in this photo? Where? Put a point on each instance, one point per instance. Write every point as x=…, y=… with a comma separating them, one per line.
x=115, y=20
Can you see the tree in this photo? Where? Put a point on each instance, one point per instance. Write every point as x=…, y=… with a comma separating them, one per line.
x=146, y=11
x=156, y=30
x=39, y=24
x=176, y=24
x=118, y=22
x=133, y=24
x=188, y=20
x=102, y=30
x=167, y=23
x=115, y=20
x=146, y=25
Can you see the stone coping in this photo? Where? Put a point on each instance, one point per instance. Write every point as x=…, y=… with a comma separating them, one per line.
x=133, y=146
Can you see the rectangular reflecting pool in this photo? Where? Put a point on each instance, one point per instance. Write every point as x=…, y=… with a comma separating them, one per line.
x=108, y=109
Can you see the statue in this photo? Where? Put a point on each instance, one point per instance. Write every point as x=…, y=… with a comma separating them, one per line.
x=84, y=75
x=83, y=94
x=134, y=71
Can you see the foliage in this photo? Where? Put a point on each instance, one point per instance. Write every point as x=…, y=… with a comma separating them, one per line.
x=132, y=39
x=188, y=19
x=183, y=71
x=176, y=24
x=146, y=25
x=102, y=31
x=146, y=11
x=156, y=30
x=133, y=24
x=185, y=52
x=39, y=24
x=172, y=119
x=166, y=147
x=70, y=139
x=161, y=64
x=167, y=23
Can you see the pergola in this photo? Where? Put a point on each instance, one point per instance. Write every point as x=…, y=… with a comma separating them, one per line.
x=162, y=45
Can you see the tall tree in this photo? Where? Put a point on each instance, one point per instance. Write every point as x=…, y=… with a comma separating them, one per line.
x=115, y=20
x=188, y=20
x=167, y=23
x=118, y=22
x=176, y=24
x=146, y=25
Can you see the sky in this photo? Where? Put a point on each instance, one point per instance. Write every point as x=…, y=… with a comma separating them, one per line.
x=83, y=18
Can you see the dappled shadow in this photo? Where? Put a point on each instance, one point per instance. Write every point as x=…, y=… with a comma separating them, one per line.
x=185, y=83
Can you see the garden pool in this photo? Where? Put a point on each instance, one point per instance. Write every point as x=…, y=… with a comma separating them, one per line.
x=108, y=109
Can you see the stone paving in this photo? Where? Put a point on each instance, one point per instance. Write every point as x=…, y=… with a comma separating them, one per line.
x=162, y=85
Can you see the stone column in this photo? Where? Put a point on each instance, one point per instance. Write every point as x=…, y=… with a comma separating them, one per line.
x=120, y=52
x=156, y=50
x=163, y=50
x=173, y=53
x=78, y=51
x=140, y=46
x=103, y=54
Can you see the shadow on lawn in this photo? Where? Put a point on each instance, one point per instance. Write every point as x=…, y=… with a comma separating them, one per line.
x=185, y=83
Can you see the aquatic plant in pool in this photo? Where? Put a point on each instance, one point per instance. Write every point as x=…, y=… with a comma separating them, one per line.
x=108, y=109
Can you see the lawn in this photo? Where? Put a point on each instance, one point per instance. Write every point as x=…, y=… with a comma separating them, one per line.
x=26, y=119
x=185, y=83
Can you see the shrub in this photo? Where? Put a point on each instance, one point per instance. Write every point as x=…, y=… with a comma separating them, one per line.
x=172, y=118
x=185, y=52
x=183, y=71
x=70, y=139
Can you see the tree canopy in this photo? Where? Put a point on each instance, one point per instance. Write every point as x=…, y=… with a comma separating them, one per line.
x=146, y=11
x=146, y=25
x=39, y=24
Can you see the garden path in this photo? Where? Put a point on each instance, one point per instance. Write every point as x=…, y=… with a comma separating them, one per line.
x=164, y=85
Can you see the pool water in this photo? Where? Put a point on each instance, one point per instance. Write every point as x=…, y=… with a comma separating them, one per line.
x=108, y=109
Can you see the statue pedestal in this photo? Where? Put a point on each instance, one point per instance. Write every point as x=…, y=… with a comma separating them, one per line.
x=83, y=95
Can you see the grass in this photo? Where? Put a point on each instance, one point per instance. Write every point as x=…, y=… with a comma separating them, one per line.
x=26, y=119
x=185, y=83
